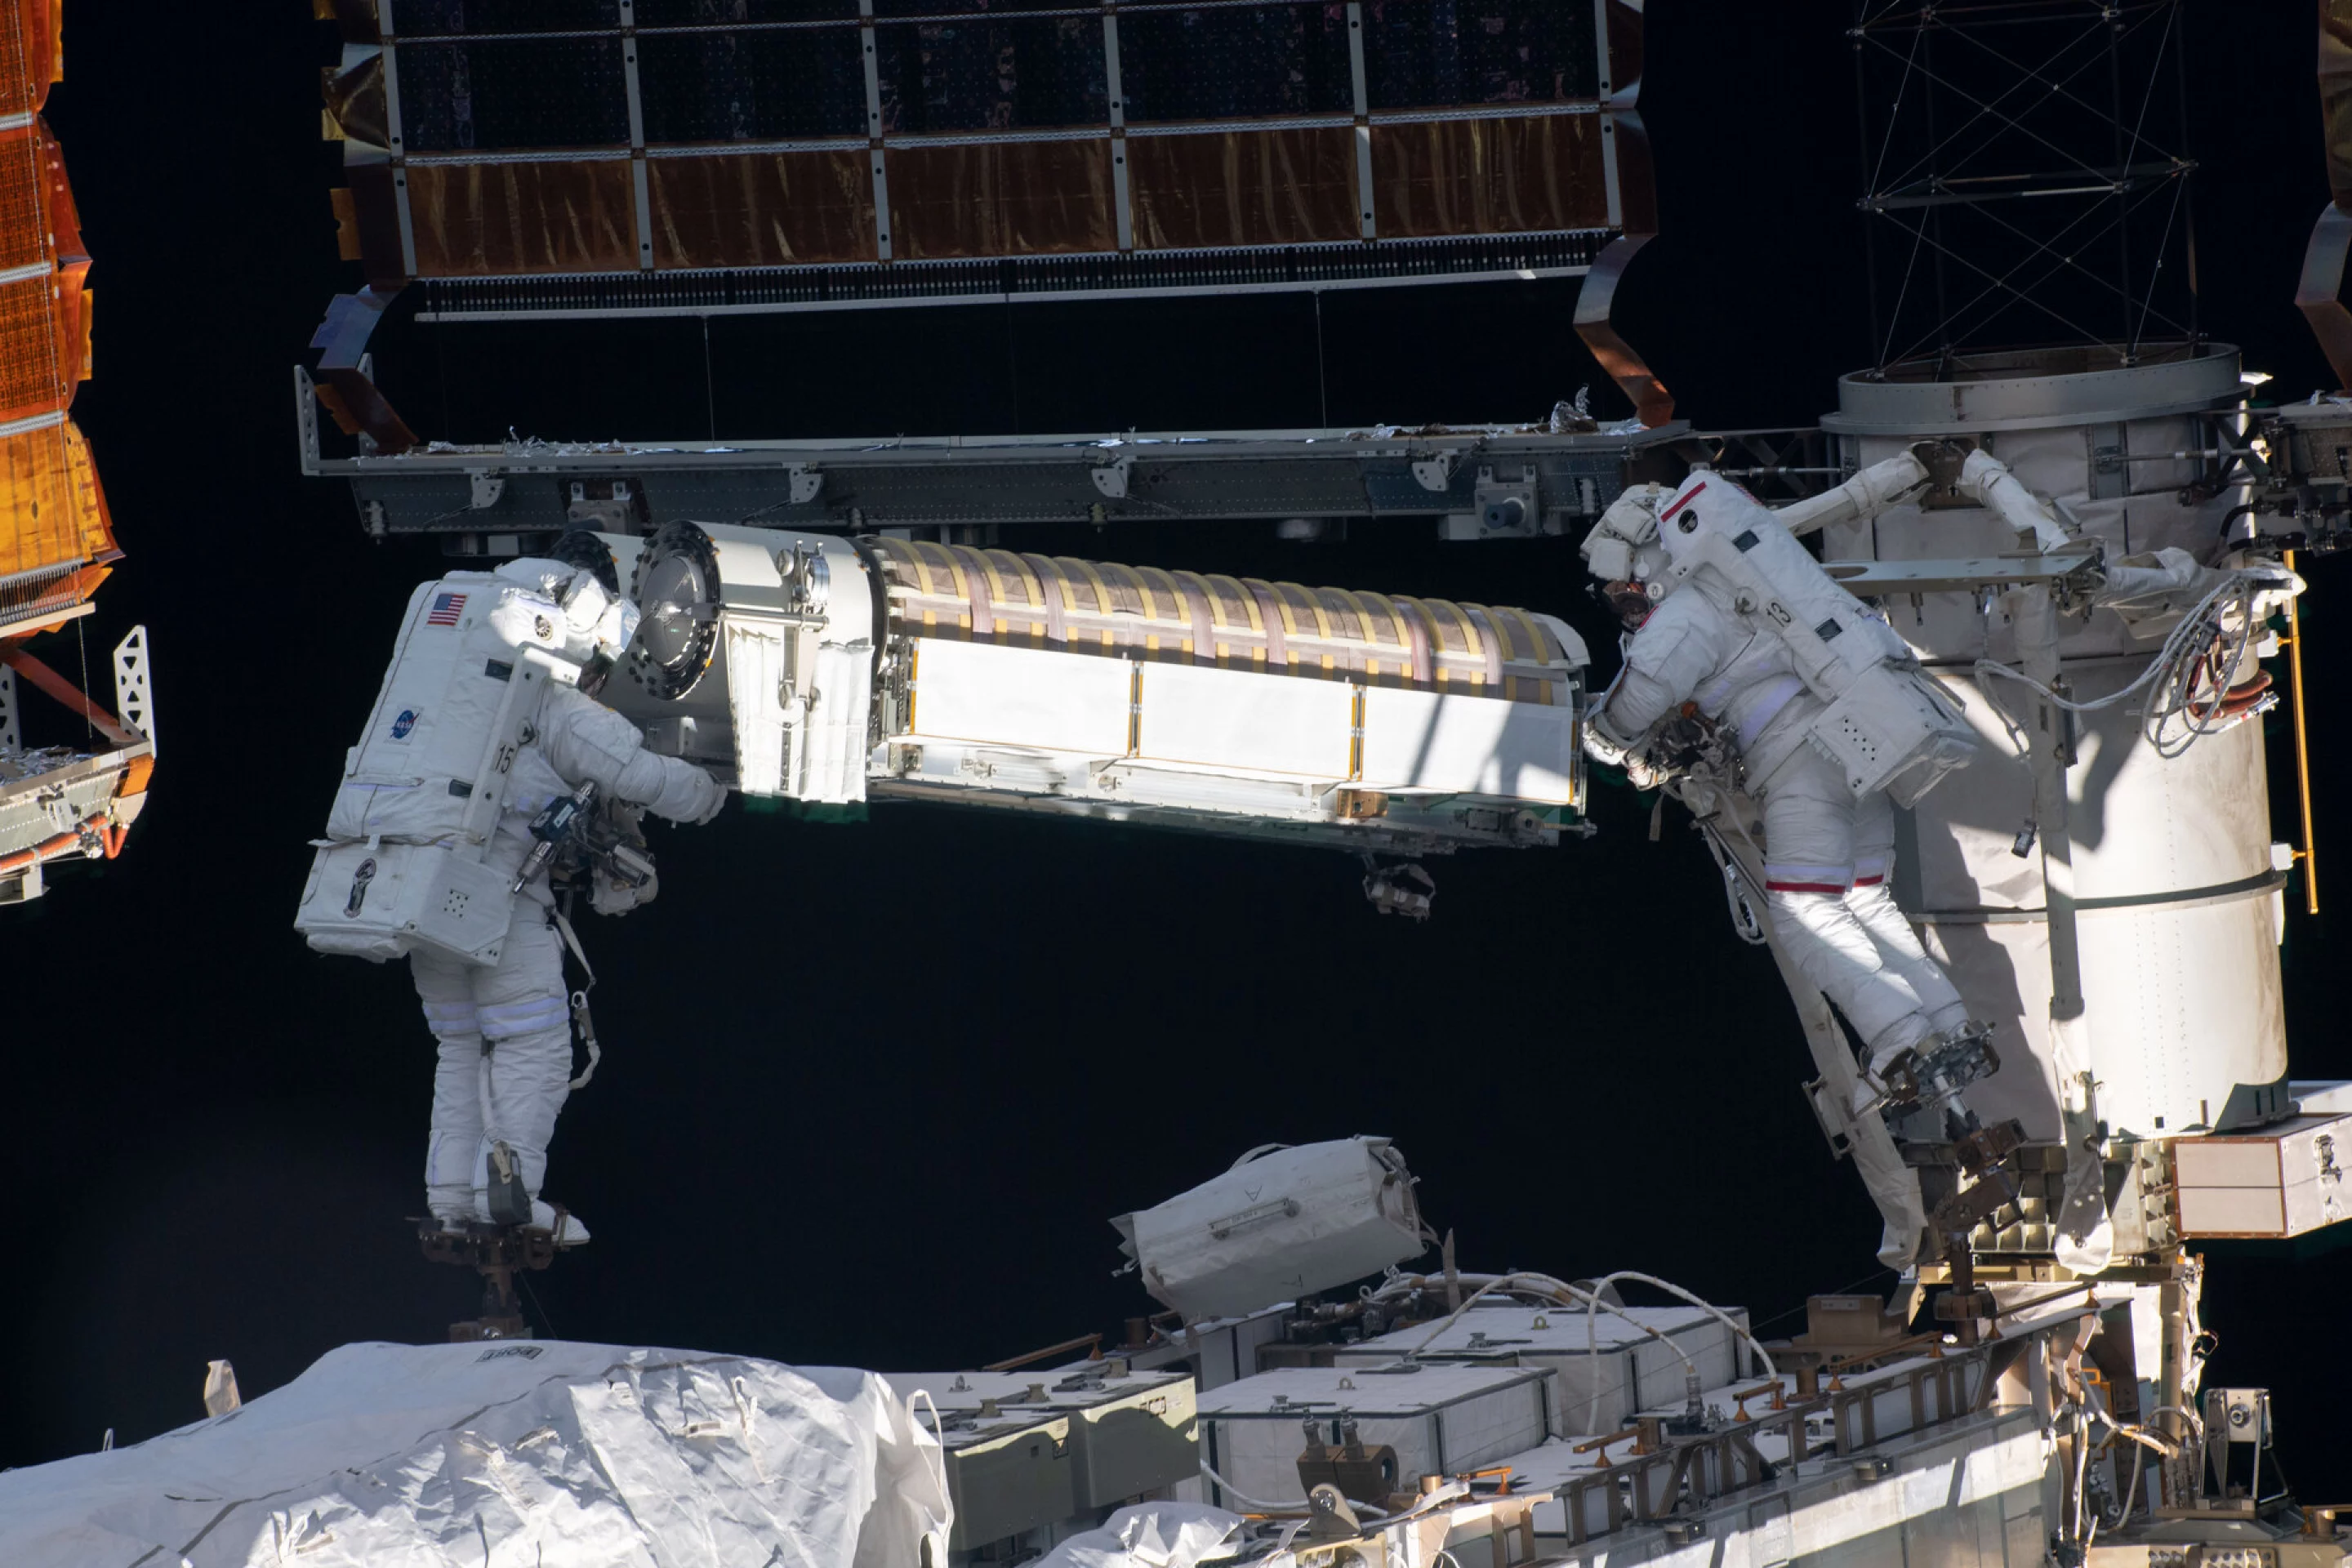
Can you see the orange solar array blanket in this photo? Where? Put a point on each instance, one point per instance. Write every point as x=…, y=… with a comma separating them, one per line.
x=55, y=540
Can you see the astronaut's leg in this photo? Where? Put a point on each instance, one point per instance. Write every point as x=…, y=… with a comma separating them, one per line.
x=1872, y=903
x=527, y=1023
x=446, y=988
x=1808, y=840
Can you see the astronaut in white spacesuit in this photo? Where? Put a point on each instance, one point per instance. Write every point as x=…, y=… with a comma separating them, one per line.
x=487, y=718
x=1698, y=645
x=505, y=1031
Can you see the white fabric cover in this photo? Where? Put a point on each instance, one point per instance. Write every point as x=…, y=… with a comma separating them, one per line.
x=1150, y=1535
x=512, y=1455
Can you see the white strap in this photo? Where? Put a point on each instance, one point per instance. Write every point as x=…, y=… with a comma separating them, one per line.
x=580, y=1015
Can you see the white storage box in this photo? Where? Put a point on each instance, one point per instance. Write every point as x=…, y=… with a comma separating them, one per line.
x=1621, y=1370
x=1282, y=1223
x=1440, y=1420
x=2286, y=1180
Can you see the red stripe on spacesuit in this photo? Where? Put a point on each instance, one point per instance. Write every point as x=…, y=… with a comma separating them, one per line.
x=1870, y=881
x=1683, y=503
x=1803, y=887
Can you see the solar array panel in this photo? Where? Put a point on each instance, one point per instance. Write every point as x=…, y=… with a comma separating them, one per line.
x=56, y=542
x=945, y=148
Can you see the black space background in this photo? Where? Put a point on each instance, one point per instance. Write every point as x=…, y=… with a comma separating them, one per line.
x=870, y=1091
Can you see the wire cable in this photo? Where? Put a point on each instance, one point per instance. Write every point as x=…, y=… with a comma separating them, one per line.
x=2186, y=679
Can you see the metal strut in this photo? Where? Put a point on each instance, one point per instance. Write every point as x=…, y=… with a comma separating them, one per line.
x=497, y=1252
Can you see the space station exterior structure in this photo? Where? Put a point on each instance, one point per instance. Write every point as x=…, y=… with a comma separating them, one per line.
x=2166, y=871
x=832, y=671
x=70, y=793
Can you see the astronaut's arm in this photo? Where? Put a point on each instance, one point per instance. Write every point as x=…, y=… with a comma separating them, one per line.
x=583, y=740
x=1657, y=679
x=1876, y=488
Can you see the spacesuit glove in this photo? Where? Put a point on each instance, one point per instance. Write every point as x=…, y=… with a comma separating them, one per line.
x=1602, y=749
x=717, y=803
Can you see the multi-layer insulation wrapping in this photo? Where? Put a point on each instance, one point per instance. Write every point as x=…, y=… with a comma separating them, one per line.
x=521, y=1452
x=1388, y=693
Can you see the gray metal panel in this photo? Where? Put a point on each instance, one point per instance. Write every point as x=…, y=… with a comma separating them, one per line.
x=2032, y=388
x=961, y=482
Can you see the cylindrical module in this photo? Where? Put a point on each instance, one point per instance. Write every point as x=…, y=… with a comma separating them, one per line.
x=1181, y=697
x=2175, y=882
x=827, y=670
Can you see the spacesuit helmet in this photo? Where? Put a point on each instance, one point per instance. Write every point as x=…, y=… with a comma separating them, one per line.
x=581, y=549
x=599, y=625
x=1623, y=545
x=1623, y=552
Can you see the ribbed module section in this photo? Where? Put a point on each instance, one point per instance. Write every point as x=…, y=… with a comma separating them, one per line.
x=1230, y=623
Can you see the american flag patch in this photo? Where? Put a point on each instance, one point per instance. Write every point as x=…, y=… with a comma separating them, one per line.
x=445, y=607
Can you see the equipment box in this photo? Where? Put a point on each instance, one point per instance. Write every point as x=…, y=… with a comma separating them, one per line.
x=1618, y=1370
x=1439, y=1419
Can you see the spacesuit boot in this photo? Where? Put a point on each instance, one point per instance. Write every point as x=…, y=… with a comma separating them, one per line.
x=1885, y=1080
x=1933, y=1070
x=566, y=1226
x=503, y=1200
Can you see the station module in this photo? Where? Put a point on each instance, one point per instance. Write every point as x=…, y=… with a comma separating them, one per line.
x=837, y=623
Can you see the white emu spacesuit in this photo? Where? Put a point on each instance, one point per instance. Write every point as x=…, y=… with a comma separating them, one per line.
x=481, y=725
x=1735, y=622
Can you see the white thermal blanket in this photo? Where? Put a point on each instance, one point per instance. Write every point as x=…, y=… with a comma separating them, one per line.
x=515, y=1453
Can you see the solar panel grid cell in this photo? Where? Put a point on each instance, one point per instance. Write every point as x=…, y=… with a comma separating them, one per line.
x=419, y=19
x=1235, y=62
x=1421, y=54
x=762, y=209
x=24, y=227
x=751, y=86
x=703, y=13
x=991, y=73
x=513, y=94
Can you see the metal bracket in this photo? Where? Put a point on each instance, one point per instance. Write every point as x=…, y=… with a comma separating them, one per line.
x=486, y=487
x=10, y=739
x=1435, y=474
x=306, y=420
x=1110, y=478
x=1879, y=579
x=808, y=482
x=1837, y=1123
x=134, y=698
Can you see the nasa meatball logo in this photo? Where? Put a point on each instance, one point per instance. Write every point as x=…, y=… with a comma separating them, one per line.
x=360, y=881
x=404, y=725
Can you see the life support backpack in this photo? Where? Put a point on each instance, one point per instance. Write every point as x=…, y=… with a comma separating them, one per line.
x=400, y=866
x=1886, y=723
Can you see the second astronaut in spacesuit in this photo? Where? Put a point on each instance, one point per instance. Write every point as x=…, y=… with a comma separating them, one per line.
x=1703, y=641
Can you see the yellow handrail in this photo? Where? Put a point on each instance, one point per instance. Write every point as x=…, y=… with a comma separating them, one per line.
x=2301, y=752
